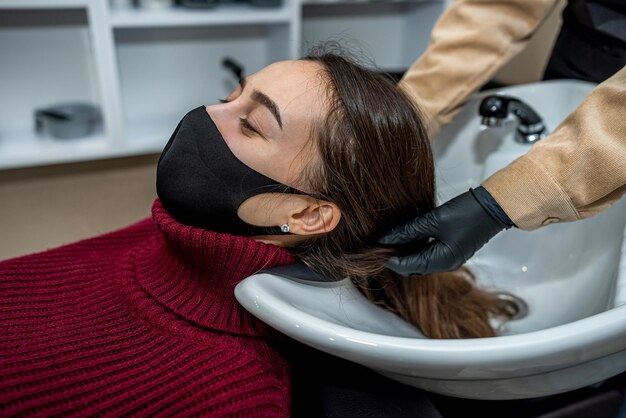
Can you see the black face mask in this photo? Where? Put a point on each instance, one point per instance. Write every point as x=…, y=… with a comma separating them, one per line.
x=201, y=182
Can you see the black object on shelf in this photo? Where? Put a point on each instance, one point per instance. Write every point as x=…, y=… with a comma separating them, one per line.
x=234, y=67
x=207, y=4
x=67, y=120
x=197, y=4
x=266, y=3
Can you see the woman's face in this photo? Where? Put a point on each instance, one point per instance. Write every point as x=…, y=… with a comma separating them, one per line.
x=267, y=120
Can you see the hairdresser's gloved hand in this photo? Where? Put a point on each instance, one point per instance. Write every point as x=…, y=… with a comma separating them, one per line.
x=452, y=233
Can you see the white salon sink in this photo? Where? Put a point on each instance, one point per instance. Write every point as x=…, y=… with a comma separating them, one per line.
x=569, y=275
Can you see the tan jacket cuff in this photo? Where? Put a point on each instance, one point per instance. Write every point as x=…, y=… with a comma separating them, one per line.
x=536, y=201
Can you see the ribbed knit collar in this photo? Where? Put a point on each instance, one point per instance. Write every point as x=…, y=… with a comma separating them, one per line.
x=193, y=272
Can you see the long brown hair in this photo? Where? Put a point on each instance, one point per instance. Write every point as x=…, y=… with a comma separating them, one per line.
x=377, y=165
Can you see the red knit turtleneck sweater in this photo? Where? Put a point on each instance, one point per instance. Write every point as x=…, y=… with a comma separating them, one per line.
x=141, y=321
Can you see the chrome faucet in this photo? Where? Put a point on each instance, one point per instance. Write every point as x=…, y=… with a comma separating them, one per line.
x=495, y=109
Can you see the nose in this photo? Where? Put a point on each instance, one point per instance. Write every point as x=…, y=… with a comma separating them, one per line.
x=226, y=117
x=220, y=114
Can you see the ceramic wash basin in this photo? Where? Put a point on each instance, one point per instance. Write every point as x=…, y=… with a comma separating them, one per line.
x=572, y=276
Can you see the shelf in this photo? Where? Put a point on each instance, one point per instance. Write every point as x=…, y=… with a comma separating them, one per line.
x=23, y=148
x=402, y=29
x=150, y=135
x=42, y=4
x=351, y=2
x=179, y=16
x=26, y=150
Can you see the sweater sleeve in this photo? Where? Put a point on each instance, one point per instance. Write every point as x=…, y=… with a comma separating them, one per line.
x=471, y=41
x=577, y=171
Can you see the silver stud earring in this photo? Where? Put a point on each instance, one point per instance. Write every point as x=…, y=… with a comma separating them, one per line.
x=284, y=228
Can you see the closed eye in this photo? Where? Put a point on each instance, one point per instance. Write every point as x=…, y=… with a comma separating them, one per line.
x=245, y=126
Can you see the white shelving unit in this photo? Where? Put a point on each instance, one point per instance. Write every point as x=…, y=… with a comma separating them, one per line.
x=392, y=33
x=228, y=14
x=146, y=68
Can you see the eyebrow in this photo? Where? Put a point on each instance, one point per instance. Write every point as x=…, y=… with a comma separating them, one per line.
x=264, y=100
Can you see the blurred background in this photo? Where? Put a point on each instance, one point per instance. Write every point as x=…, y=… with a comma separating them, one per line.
x=92, y=89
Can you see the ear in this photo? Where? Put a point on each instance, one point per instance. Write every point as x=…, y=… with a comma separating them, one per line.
x=317, y=217
x=304, y=214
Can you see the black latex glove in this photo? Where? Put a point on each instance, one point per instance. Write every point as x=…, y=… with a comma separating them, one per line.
x=452, y=233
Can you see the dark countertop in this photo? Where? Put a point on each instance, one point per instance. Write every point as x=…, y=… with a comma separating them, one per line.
x=326, y=386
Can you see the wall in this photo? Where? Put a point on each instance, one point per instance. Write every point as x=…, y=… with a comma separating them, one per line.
x=528, y=66
x=45, y=207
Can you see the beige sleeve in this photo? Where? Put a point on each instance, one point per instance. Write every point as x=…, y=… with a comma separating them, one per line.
x=577, y=171
x=471, y=41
